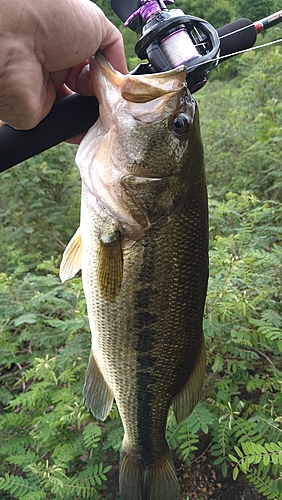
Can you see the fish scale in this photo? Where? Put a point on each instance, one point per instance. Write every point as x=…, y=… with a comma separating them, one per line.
x=144, y=271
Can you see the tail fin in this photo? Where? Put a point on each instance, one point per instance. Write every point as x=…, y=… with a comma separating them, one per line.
x=147, y=482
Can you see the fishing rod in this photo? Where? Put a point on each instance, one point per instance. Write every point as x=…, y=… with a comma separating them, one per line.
x=169, y=38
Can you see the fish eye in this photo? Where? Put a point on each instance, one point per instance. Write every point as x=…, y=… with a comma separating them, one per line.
x=180, y=124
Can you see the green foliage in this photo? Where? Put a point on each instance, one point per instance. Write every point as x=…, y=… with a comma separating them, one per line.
x=262, y=465
x=243, y=147
x=257, y=9
x=218, y=13
x=184, y=437
x=49, y=441
x=105, y=5
x=45, y=188
x=242, y=397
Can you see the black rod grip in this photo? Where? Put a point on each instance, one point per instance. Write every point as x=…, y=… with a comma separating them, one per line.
x=68, y=117
x=236, y=36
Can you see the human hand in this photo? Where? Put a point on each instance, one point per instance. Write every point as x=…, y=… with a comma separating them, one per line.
x=44, y=51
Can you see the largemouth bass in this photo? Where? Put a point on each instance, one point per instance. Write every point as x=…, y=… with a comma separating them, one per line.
x=142, y=247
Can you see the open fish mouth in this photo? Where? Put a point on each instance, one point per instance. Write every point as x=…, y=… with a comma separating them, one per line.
x=141, y=88
x=152, y=91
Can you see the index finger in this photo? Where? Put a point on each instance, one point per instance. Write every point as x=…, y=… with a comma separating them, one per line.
x=114, y=52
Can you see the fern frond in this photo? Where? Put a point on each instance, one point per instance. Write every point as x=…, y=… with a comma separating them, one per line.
x=63, y=453
x=18, y=486
x=262, y=464
x=87, y=483
x=92, y=436
x=184, y=437
x=269, y=487
x=36, y=495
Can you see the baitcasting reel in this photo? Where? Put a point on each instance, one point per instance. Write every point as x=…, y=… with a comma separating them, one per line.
x=170, y=38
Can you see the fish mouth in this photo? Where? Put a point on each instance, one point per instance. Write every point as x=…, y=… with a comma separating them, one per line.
x=147, y=98
x=135, y=89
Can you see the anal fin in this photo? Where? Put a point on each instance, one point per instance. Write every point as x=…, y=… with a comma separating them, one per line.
x=185, y=401
x=97, y=395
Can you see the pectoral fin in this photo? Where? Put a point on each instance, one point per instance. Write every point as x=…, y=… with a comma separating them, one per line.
x=71, y=262
x=185, y=401
x=110, y=265
x=96, y=393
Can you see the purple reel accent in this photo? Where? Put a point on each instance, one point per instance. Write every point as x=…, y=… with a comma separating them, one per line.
x=147, y=9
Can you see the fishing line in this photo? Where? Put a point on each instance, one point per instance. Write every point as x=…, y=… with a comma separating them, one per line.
x=238, y=30
x=243, y=51
x=252, y=48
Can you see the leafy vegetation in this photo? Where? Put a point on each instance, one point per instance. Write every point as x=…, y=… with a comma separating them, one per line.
x=51, y=447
